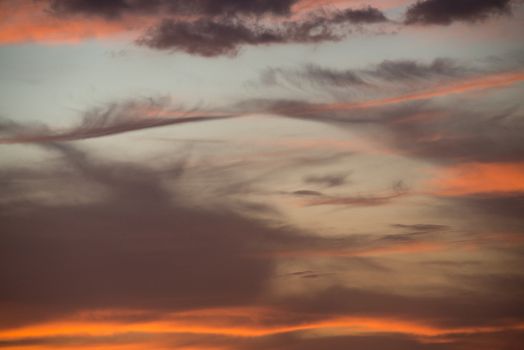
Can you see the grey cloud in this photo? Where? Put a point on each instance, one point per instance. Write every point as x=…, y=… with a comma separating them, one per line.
x=418, y=129
x=307, y=193
x=421, y=227
x=384, y=73
x=409, y=70
x=328, y=180
x=116, y=8
x=456, y=135
x=138, y=248
x=444, y=12
x=113, y=119
x=210, y=37
x=454, y=309
x=398, y=190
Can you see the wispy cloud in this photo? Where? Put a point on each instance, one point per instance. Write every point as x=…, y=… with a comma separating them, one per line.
x=114, y=119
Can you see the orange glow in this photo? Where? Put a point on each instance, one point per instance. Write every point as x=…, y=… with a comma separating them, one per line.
x=247, y=328
x=29, y=22
x=471, y=178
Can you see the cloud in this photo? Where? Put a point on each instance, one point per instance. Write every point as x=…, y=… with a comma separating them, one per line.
x=202, y=27
x=113, y=9
x=113, y=119
x=496, y=211
x=412, y=70
x=225, y=35
x=444, y=12
x=328, y=180
x=30, y=21
x=456, y=135
x=307, y=193
x=152, y=269
x=421, y=228
x=362, y=201
x=378, y=76
x=479, y=178
x=138, y=247
x=394, y=81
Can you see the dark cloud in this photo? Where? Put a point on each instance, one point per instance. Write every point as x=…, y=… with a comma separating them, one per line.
x=444, y=12
x=116, y=8
x=114, y=119
x=340, y=342
x=137, y=248
x=364, y=15
x=328, y=180
x=457, y=134
x=421, y=227
x=307, y=193
x=454, y=309
x=398, y=191
x=140, y=247
x=411, y=70
x=497, y=211
x=225, y=35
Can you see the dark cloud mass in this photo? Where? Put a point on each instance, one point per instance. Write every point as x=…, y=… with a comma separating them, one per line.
x=117, y=8
x=139, y=248
x=447, y=11
x=223, y=36
x=328, y=180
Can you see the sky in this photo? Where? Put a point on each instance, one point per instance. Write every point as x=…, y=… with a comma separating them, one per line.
x=261, y=174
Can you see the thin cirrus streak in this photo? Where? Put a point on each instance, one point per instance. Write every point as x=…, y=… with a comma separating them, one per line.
x=87, y=132
x=483, y=83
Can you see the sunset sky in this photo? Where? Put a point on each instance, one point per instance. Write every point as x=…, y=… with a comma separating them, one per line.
x=262, y=174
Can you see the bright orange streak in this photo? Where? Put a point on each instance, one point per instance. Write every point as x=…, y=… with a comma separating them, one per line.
x=354, y=324
x=483, y=83
x=471, y=178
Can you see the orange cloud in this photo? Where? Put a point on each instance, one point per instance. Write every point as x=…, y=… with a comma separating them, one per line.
x=472, y=178
x=107, y=330
x=28, y=21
